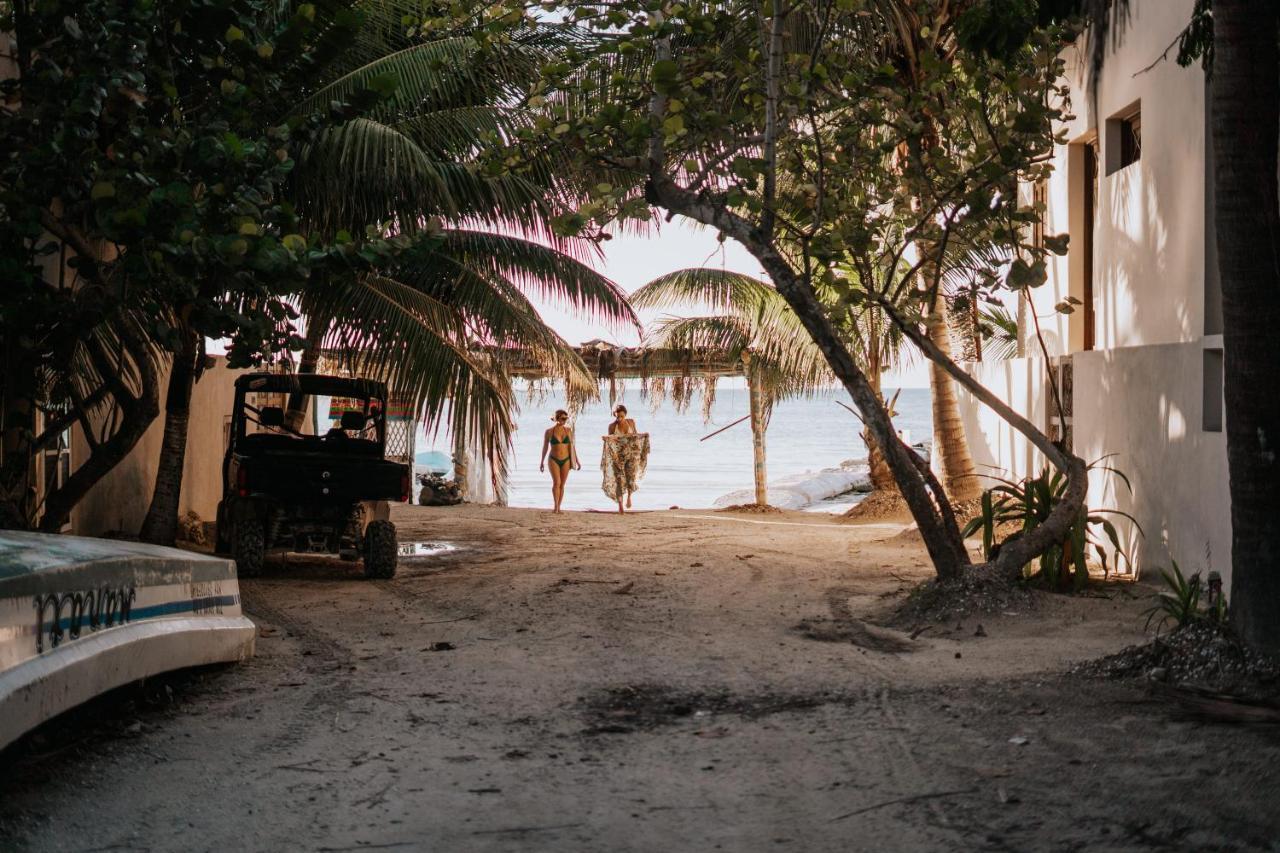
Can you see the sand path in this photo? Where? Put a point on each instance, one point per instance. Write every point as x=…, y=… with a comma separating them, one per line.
x=591, y=682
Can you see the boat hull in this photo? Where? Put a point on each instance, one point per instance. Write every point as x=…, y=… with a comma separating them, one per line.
x=80, y=617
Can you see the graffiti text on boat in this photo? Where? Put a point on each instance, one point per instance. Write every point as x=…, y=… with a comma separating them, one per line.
x=205, y=597
x=63, y=615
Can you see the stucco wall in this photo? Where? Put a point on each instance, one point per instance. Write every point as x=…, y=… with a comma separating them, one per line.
x=1143, y=404
x=119, y=501
x=997, y=448
x=1149, y=240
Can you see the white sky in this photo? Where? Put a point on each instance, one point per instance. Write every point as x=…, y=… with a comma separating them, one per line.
x=633, y=261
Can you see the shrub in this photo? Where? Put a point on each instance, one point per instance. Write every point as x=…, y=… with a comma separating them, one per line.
x=1028, y=503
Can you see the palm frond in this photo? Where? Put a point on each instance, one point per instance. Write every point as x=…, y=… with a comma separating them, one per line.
x=421, y=352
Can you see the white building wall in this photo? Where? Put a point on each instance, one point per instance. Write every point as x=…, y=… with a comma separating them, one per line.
x=1149, y=240
x=1144, y=404
x=1140, y=393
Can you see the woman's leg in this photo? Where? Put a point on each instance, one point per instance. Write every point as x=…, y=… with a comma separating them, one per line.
x=557, y=483
x=564, y=481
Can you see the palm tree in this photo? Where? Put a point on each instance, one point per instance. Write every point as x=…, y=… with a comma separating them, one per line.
x=753, y=327
x=414, y=160
x=402, y=167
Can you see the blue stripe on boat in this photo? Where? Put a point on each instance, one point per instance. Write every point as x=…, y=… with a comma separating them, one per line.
x=167, y=609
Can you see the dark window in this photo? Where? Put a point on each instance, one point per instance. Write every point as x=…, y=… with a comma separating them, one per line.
x=1130, y=140
x=1124, y=139
x=1212, y=406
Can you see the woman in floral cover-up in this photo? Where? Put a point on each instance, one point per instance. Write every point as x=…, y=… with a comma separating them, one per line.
x=626, y=454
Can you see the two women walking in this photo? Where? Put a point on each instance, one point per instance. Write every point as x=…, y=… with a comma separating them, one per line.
x=623, y=462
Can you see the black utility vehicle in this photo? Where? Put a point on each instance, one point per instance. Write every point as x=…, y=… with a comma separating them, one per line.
x=286, y=490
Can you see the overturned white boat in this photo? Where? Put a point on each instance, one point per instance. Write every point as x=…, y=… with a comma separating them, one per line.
x=80, y=616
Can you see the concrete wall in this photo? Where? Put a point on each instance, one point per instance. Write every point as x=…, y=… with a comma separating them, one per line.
x=1149, y=242
x=1145, y=405
x=120, y=500
x=998, y=449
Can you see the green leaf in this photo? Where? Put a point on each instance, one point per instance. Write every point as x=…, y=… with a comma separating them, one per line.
x=1057, y=243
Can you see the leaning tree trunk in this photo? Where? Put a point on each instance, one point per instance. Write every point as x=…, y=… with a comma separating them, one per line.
x=877, y=465
x=958, y=473
x=1246, y=139
x=938, y=529
x=759, y=423
x=160, y=527
x=296, y=411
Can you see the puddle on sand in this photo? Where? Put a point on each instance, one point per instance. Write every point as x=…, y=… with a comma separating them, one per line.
x=426, y=549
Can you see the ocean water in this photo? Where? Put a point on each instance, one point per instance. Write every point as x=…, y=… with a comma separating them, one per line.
x=805, y=434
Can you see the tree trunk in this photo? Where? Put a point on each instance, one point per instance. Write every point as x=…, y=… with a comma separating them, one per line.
x=940, y=533
x=17, y=425
x=958, y=473
x=296, y=411
x=877, y=466
x=1246, y=142
x=137, y=414
x=460, y=457
x=759, y=423
x=160, y=527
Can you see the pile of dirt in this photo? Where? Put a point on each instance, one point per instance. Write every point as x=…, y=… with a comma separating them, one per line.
x=973, y=594
x=879, y=506
x=762, y=509
x=1202, y=653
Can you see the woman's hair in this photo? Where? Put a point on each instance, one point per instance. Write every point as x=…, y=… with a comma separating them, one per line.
x=619, y=408
x=560, y=413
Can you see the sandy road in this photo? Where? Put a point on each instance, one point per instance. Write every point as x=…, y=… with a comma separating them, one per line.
x=589, y=682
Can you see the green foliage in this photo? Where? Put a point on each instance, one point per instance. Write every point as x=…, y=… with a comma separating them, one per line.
x=896, y=128
x=1183, y=601
x=1027, y=504
x=753, y=325
x=1000, y=330
x=150, y=151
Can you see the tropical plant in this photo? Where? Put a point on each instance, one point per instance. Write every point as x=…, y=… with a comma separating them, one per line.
x=1028, y=503
x=1180, y=602
x=786, y=127
x=430, y=319
x=1000, y=331
x=140, y=212
x=1183, y=602
x=752, y=326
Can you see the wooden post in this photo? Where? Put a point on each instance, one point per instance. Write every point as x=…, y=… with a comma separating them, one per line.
x=755, y=397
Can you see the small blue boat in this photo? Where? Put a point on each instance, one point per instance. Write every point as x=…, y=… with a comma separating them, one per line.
x=81, y=616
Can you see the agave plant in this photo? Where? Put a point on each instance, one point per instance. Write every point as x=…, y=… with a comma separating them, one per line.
x=1028, y=502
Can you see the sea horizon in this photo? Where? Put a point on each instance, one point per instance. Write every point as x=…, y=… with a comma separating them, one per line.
x=805, y=434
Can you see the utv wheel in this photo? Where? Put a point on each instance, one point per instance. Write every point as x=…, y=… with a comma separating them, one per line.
x=249, y=547
x=380, y=550
x=221, y=547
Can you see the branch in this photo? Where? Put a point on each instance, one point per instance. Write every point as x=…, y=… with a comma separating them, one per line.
x=1022, y=550
x=90, y=264
x=773, y=70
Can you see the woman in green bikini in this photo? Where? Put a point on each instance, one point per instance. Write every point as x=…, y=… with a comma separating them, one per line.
x=563, y=455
